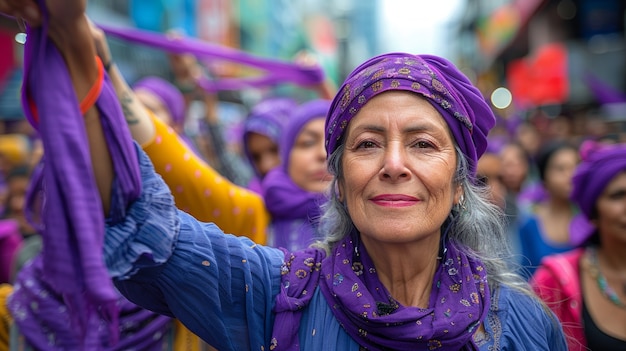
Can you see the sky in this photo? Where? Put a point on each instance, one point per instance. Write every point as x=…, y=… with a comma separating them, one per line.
x=417, y=26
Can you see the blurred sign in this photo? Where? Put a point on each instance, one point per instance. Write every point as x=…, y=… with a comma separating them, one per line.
x=541, y=79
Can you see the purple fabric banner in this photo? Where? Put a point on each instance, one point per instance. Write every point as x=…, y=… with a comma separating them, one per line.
x=275, y=71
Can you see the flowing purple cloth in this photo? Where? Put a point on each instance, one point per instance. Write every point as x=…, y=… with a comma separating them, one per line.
x=600, y=164
x=295, y=211
x=44, y=321
x=267, y=118
x=459, y=300
x=444, y=86
x=275, y=72
x=169, y=95
x=73, y=221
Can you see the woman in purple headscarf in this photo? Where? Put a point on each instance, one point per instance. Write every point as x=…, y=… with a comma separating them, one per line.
x=261, y=136
x=586, y=287
x=294, y=191
x=412, y=257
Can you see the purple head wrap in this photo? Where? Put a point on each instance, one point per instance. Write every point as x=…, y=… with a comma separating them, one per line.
x=446, y=88
x=294, y=210
x=600, y=164
x=169, y=95
x=301, y=116
x=267, y=118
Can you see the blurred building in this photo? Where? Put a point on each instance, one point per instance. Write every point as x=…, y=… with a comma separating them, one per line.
x=561, y=56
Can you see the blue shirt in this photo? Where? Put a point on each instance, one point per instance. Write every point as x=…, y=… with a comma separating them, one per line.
x=223, y=287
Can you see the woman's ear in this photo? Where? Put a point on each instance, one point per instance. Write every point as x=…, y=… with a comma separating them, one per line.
x=458, y=195
x=340, y=192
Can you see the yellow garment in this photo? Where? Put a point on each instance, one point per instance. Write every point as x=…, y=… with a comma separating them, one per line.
x=15, y=148
x=200, y=191
x=5, y=317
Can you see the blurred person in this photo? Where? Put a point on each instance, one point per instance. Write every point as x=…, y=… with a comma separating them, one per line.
x=585, y=287
x=261, y=136
x=294, y=191
x=544, y=227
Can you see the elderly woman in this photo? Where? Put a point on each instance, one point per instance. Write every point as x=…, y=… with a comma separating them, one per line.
x=412, y=256
x=586, y=287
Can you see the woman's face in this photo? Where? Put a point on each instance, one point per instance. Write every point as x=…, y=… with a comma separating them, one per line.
x=399, y=164
x=307, y=159
x=263, y=152
x=611, y=209
x=514, y=167
x=559, y=172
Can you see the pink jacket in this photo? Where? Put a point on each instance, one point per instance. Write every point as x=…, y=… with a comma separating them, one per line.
x=557, y=282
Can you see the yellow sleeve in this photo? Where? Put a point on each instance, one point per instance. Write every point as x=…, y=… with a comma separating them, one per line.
x=5, y=317
x=202, y=192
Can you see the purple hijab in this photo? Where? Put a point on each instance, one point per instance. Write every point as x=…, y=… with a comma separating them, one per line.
x=294, y=211
x=600, y=164
x=72, y=221
x=169, y=95
x=267, y=118
x=444, y=86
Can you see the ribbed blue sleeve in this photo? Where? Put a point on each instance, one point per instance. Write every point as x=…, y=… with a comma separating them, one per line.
x=222, y=287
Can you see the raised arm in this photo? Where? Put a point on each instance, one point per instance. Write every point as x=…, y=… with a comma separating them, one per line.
x=69, y=30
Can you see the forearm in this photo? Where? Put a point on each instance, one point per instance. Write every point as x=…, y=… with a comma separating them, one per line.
x=135, y=114
x=73, y=40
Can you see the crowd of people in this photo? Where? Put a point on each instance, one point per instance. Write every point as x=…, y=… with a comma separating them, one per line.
x=395, y=212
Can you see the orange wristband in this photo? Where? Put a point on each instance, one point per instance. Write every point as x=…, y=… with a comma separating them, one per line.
x=89, y=100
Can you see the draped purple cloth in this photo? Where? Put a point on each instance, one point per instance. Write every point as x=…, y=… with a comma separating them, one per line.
x=169, y=95
x=72, y=217
x=459, y=300
x=43, y=319
x=274, y=71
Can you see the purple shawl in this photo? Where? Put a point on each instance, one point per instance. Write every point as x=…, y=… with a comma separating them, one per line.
x=294, y=211
x=600, y=164
x=72, y=216
x=444, y=86
x=43, y=319
x=459, y=300
x=274, y=71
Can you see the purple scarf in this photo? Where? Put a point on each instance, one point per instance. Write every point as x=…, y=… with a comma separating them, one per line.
x=459, y=300
x=295, y=212
x=169, y=95
x=39, y=314
x=73, y=224
x=276, y=72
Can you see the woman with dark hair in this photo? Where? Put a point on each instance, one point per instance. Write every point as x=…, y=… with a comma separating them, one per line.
x=413, y=253
x=544, y=226
x=586, y=287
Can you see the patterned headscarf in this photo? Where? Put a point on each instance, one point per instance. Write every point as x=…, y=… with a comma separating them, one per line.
x=600, y=164
x=169, y=95
x=444, y=86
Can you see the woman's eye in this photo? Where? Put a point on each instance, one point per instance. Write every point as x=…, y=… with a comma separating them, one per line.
x=423, y=144
x=367, y=144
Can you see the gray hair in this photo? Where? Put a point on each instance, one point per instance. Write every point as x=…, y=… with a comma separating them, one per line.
x=477, y=225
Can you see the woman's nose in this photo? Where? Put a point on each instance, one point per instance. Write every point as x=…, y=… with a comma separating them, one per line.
x=395, y=163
